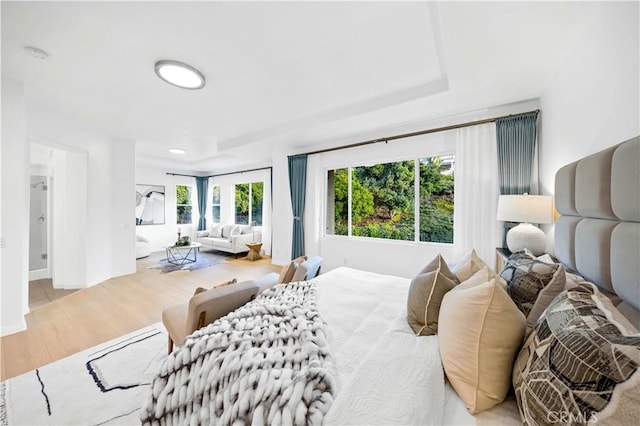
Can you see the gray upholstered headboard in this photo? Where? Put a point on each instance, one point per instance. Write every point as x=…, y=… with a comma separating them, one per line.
x=598, y=234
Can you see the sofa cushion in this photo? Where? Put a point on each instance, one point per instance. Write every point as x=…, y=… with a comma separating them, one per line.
x=226, y=231
x=222, y=243
x=246, y=229
x=216, y=231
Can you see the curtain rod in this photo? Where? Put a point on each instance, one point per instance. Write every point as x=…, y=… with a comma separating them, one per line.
x=418, y=133
x=222, y=174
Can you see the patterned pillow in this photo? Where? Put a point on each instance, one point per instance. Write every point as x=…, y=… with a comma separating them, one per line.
x=580, y=364
x=202, y=289
x=532, y=284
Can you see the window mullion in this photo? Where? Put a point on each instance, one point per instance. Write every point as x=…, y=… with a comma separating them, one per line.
x=416, y=200
x=349, y=175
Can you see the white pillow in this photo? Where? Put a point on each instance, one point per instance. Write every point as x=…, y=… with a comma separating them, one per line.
x=236, y=230
x=215, y=231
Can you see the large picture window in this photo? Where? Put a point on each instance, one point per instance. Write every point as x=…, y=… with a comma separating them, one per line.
x=248, y=203
x=380, y=201
x=183, y=204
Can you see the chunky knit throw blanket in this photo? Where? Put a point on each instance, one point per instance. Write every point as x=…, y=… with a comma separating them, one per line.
x=267, y=362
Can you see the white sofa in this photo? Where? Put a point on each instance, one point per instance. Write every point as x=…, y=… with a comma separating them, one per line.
x=143, y=248
x=229, y=238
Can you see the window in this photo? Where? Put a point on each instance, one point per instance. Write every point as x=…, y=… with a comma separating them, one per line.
x=183, y=204
x=380, y=201
x=215, y=204
x=249, y=197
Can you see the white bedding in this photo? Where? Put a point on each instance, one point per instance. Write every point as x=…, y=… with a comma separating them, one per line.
x=387, y=375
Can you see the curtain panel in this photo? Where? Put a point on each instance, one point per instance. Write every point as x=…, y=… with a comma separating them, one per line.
x=476, y=193
x=298, y=186
x=202, y=184
x=516, y=139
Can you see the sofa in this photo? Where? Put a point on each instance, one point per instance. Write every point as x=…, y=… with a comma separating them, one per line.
x=143, y=247
x=229, y=238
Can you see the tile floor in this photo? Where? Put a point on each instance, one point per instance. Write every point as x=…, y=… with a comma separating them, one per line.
x=42, y=292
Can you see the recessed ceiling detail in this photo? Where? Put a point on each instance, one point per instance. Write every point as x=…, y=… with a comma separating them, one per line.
x=178, y=151
x=179, y=74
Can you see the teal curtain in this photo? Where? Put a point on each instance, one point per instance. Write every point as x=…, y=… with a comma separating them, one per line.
x=516, y=139
x=202, y=184
x=298, y=186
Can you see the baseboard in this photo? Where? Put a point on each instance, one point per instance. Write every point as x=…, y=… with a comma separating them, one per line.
x=13, y=328
x=39, y=274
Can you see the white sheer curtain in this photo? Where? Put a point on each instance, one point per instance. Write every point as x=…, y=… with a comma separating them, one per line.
x=476, y=193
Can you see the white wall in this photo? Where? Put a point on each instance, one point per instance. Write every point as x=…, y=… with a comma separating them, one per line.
x=102, y=188
x=160, y=236
x=593, y=101
x=15, y=210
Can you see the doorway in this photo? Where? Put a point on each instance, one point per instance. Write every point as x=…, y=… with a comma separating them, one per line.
x=39, y=228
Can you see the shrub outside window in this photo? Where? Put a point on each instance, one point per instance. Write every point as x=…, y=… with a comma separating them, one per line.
x=183, y=204
x=248, y=203
x=380, y=201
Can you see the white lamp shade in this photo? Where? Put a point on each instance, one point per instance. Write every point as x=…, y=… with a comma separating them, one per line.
x=525, y=208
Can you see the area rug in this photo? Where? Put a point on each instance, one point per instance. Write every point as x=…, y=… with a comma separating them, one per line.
x=106, y=384
x=204, y=260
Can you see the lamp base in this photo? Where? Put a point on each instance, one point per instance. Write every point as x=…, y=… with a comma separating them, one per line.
x=526, y=236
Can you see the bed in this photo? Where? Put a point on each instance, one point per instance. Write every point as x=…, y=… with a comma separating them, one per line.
x=359, y=361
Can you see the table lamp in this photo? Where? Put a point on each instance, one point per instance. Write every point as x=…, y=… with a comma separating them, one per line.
x=526, y=209
x=253, y=230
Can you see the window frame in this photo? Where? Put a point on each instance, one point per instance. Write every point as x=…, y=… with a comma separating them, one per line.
x=212, y=204
x=190, y=205
x=416, y=204
x=250, y=205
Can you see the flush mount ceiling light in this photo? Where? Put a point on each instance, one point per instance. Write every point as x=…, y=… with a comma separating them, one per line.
x=179, y=74
x=177, y=151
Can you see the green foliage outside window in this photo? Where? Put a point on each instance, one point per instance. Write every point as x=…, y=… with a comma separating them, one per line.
x=249, y=199
x=383, y=200
x=183, y=204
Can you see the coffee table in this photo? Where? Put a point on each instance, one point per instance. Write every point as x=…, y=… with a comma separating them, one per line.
x=179, y=255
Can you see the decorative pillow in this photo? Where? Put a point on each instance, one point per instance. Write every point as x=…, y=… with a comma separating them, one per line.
x=439, y=263
x=425, y=296
x=532, y=284
x=300, y=259
x=235, y=230
x=202, y=289
x=580, y=364
x=200, y=234
x=480, y=331
x=471, y=264
x=287, y=271
x=246, y=229
x=225, y=231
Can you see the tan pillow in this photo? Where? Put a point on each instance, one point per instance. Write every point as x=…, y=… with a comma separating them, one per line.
x=480, y=331
x=423, y=302
x=287, y=271
x=300, y=259
x=439, y=263
x=202, y=289
x=471, y=264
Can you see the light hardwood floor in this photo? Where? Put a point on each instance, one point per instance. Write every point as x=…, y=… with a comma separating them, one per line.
x=111, y=309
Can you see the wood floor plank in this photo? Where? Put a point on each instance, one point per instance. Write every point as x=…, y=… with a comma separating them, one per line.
x=85, y=318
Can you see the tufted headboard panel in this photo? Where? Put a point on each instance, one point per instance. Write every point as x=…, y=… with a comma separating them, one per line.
x=598, y=232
